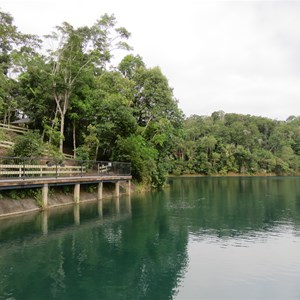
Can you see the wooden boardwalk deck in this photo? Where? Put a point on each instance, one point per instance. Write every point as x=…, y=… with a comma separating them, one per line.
x=40, y=181
x=33, y=173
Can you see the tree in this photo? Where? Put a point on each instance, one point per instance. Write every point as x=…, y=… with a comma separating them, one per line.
x=8, y=98
x=238, y=143
x=35, y=94
x=155, y=109
x=9, y=39
x=79, y=50
x=15, y=49
x=112, y=120
x=130, y=65
x=141, y=154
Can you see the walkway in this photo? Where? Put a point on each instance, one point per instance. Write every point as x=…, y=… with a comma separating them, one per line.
x=18, y=173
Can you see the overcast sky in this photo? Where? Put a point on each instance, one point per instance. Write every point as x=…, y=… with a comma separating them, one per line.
x=235, y=56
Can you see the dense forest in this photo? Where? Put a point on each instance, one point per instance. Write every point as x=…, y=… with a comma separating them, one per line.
x=78, y=100
x=234, y=143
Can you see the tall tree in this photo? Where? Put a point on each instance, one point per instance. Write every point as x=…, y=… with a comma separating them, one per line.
x=77, y=51
x=156, y=111
x=15, y=49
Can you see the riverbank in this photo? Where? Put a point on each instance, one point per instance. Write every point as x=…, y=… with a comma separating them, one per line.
x=11, y=206
x=229, y=175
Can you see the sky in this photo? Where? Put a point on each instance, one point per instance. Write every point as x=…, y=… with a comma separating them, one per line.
x=235, y=56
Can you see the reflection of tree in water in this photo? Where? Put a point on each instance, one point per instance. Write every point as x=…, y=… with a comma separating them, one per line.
x=227, y=206
x=141, y=252
x=140, y=256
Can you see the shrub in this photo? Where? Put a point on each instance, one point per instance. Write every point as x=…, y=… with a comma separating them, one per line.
x=28, y=145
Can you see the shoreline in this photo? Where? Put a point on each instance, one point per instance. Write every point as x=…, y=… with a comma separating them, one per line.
x=10, y=207
x=231, y=175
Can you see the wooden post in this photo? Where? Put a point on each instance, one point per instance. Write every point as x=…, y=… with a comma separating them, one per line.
x=117, y=189
x=76, y=192
x=100, y=190
x=45, y=190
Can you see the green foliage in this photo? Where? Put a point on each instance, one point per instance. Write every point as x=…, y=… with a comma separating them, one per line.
x=66, y=189
x=15, y=50
x=52, y=132
x=90, y=147
x=28, y=145
x=74, y=100
x=128, y=112
x=90, y=188
x=20, y=194
x=112, y=118
x=82, y=153
x=37, y=196
x=225, y=143
x=141, y=154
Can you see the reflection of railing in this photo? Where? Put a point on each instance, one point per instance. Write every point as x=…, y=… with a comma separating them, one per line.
x=44, y=167
x=9, y=145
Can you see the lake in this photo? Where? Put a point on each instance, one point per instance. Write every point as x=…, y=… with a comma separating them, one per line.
x=200, y=238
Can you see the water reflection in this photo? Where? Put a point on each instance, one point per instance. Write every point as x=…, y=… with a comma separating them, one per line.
x=235, y=206
x=243, y=237
x=104, y=250
x=203, y=238
x=31, y=224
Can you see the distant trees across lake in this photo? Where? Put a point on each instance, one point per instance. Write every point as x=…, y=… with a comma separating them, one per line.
x=234, y=143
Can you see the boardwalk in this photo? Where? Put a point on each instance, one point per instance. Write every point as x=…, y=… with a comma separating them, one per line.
x=18, y=173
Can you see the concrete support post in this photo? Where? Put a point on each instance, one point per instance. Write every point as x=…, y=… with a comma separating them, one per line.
x=76, y=192
x=117, y=189
x=45, y=190
x=100, y=190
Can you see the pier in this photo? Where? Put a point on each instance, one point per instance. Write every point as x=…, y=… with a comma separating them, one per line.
x=20, y=173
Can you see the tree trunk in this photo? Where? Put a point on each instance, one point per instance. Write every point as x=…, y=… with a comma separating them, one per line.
x=74, y=139
x=96, y=154
x=61, y=138
x=5, y=117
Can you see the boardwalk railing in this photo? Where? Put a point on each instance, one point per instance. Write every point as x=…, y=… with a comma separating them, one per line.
x=13, y=128
x=9, y=145
x=12, y=167
x=6, y=144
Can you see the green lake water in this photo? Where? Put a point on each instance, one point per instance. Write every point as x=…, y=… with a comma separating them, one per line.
x=201, y=238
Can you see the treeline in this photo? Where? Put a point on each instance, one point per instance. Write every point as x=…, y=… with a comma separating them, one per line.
x=80, y=102
x=234, y=143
